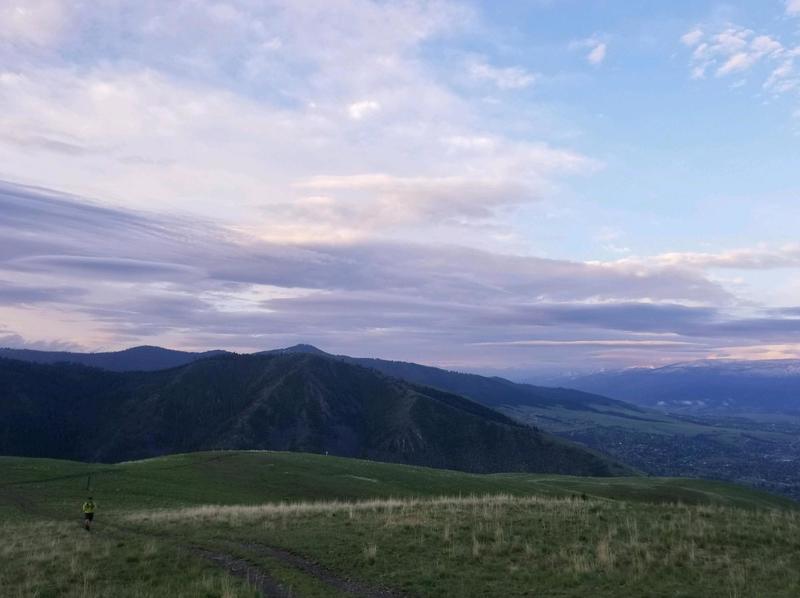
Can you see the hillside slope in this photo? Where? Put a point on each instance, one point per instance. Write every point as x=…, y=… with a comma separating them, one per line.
x=296, y=402
x=253, y=477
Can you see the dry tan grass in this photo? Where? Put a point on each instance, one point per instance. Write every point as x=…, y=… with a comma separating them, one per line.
x=486, y=507
x=371, y=552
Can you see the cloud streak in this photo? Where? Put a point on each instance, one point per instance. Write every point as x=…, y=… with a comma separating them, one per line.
x=210, y=286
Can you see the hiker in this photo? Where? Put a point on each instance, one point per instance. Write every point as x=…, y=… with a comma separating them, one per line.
x=88, y=514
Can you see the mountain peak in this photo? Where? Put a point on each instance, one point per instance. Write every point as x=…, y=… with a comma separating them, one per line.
x=301, y=348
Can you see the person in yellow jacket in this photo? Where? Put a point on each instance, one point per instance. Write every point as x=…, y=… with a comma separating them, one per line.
x=88, y=514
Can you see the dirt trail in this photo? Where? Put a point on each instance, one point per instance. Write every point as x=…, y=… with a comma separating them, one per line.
x=317, y=571
x=267, y=585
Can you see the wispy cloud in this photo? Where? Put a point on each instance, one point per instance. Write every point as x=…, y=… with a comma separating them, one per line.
x=597, y=54
x=692, y=38
x=33, y=22
x=738, y=50
x=362, y=109
x=588, y=343
x=596, y=49
x=755, y=258
x=509, y=77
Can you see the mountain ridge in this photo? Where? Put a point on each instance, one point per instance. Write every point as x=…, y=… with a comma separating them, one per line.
x=139, y=358
x=297, y=402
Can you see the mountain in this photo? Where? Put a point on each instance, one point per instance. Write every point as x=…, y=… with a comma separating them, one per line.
x=765, y=454
x=282, y=401
x=559, y=410
x=497, y=393
x=719, y=387
x=143, y=358
x=525, y=401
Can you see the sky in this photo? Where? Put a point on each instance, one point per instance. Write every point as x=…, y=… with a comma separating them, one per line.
x=514, y=187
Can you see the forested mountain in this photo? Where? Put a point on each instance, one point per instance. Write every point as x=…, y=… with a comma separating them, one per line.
x=290, y=401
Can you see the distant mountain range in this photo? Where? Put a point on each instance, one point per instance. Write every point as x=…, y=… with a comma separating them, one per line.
x=145, y=358
x=285, y=400
x=719, y=387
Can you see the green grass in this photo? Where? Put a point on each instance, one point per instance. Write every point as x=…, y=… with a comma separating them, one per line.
x=251, y=477
x=572, y=536
x=58, y=559
x=521, y=546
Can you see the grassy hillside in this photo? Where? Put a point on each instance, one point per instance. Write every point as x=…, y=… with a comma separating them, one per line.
x=251, y=477
x=201, y=524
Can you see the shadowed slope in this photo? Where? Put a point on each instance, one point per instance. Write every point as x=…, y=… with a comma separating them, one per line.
x=296, y=402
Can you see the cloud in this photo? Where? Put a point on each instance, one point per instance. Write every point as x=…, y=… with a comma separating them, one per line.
x=32, y=22
x=19, y=294
x=512, y=77
x=597, y=49
x=64, y=232
x=783, y=78
x=758, y=258
x=122, y=268
x=12, y=340
x=692, y=38
x=359, y=110
x=508, y=175
x=147, y=277
x=228, y=109
x=588, y=343
x=735, y=50
x=411, y=199
x=123, y=277
x=597, y=54
x=793, y=7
